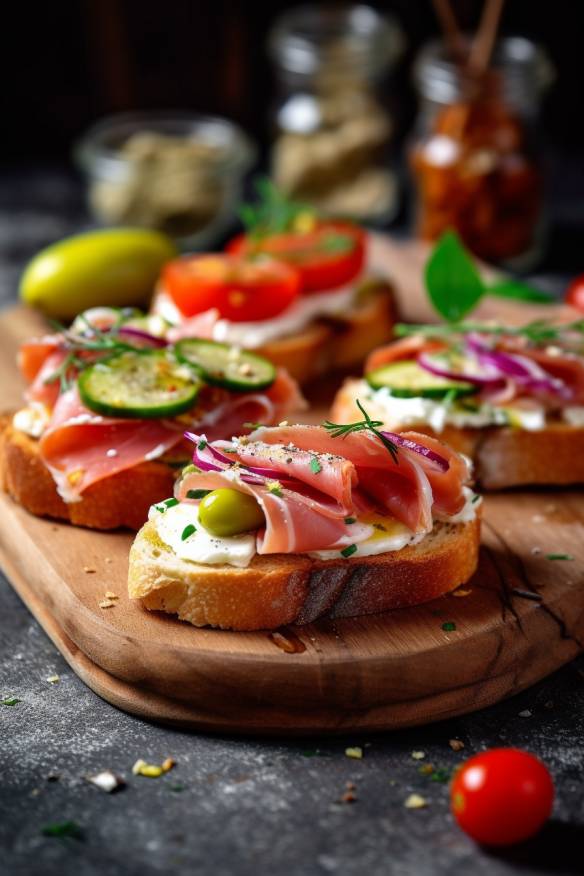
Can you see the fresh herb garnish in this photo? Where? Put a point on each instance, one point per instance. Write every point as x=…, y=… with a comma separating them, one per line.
x=202, y=444
x=63, y=829
x=341, y=430
x=455, y=286
x=315, y=466
x=10, y=701
x=273, y=212
x=475, y=498
x=197, y=494
x=558, y=557
x=188, y=531
x=350, y=520
x=275, y=487
x=537, y=331
x=449, y=626
x=350, y=549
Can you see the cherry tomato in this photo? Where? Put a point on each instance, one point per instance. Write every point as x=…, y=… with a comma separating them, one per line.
x=502, y=796
x=575, y=293
x=241, y=290
x=328, y=255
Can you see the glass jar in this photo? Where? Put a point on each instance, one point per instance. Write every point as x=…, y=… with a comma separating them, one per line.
x=474, y=155
x=332, y=129
x=181, y=173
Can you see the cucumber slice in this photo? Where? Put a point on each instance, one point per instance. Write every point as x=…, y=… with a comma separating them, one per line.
x=145, y=384
x=227, y=366
x=407, y=379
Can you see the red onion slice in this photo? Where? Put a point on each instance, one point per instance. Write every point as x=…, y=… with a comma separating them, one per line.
x=521, y=369
x=140, y=335
x=438, y=461
x=429, y=364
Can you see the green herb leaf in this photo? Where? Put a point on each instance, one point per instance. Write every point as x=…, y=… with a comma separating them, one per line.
x=519, y=291
x=275, y=487
x=350, y=549
x=63, y=829
x=558, y=557
x=341, y=430
x=449, y=626
x=197, y=494
x=453, y=283
x=315, y=466
x=10, y=701
x=273, y=212
x=188, y=531
x=170, y=503
x=350, y=520
x=202, y=444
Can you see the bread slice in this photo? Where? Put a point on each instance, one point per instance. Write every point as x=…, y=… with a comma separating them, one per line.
x=122, y=500
x=337, y=344
x=503, y=456
x=282, y=589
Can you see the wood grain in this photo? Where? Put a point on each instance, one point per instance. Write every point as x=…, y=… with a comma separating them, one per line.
x=393, y=670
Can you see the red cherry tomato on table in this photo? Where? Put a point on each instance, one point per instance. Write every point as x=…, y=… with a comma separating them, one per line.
x=575, y=293
x=241, y=290
x=502, y=796
x=327, y=256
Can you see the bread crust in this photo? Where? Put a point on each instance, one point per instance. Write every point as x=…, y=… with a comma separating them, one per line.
x=121, y=500
x=336, y=344
x=503, y=456
x=282, y=589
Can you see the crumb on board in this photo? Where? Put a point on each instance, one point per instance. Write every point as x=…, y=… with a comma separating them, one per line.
x=89, y=570
x=526, y=713
x=462, y=592
x=418, y=755
x=110, y=595
x=54, y=679
x=106, y=781
x=151, y=770
x=107, y=603
x=456, y=744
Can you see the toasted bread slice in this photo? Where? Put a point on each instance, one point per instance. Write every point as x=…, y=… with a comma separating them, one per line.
x=503, y=456
x=282, y=589
x=337, y=344
x=122, y=500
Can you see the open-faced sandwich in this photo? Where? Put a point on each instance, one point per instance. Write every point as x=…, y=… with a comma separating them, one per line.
x=511, y=398
x=295, y=287
x=101, y=436
x=295, y=522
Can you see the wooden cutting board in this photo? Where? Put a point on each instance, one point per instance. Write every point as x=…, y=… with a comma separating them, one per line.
x=520, y=618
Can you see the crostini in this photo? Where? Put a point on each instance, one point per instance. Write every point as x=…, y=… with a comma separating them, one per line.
x=293, y=523
x=100, y=437
x=511, y=398
x=295, y=287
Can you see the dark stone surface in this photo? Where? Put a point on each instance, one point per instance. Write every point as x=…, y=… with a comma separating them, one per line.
x=246, y=805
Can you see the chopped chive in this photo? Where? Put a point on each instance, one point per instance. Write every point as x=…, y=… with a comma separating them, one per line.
x=350, y=519
x=315, y=466
x=170, y=503
x=350, y=549
x=63, y=829
x=202, y=444
x=475, y=498
x=176, y=788
x=449, y=626
x=559, y=557
x=10, y=701
x=275, y=487
x=197, y=494
x=188, y=531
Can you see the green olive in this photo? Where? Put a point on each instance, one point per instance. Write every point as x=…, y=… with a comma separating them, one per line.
x=227, y=512
x=117, y=267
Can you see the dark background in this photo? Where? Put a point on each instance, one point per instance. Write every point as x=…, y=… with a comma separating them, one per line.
x=72, y=61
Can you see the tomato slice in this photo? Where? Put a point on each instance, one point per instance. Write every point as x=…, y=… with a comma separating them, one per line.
x=327, y=256
x=241, y=290
x=575, y=293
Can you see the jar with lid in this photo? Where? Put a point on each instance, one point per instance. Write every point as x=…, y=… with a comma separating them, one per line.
x=474, y=155
x=332, y=125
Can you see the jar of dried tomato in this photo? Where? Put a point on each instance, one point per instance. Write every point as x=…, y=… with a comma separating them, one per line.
x=474, y=155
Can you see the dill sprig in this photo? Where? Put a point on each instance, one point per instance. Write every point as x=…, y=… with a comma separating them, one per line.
x=341, y=430
x=92, y=340
x=538, y=331
x=272, y=213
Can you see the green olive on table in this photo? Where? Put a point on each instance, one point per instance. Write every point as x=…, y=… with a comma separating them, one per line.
x=226, y=512
x=117, y=267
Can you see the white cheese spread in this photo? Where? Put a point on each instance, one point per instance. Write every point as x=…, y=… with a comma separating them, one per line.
x=252, y=335
x=32, y=420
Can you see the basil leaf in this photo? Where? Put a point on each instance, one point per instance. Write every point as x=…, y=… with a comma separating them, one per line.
x=520, y=292
x=452, y=280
